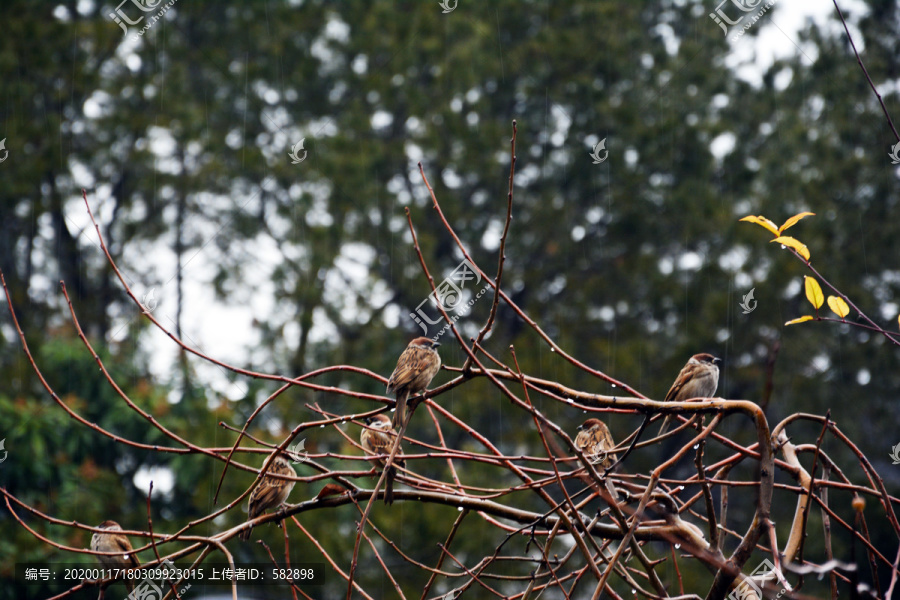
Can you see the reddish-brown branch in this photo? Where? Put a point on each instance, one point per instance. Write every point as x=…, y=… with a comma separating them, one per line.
x=447, y=543
x=328, y=558
x=866, y=72
x=553, y=345
x=812, y=484
x=559, y=466
x=502, y=252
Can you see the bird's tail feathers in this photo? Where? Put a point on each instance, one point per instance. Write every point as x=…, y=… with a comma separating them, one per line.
x=245, y=535
x=667, y=422
x=389, y=486
x=400, y=413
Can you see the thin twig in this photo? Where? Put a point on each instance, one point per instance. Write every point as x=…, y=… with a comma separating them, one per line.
x=866, y=72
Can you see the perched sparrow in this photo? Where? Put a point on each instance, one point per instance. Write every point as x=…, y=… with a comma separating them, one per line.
x=418, y=364
x=115, y=542
x=271, y=492
x=698, y=379
x=595, y=441
x=379, y=438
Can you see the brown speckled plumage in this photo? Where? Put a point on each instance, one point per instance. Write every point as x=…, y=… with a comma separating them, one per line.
x=271, y=492
x=415, y=369
x=595, y=440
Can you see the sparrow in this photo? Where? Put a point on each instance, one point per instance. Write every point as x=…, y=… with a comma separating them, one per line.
x=271, y=492
x=115, y=542
x=698, y=379
x=379, y=438
x=595, y=441
x=415, y=369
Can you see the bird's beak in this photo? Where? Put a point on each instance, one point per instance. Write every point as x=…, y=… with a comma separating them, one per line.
x=717, y=361
x=435, y=344
x=580, y=427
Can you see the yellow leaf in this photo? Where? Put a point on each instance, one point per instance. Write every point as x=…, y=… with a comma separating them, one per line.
x=793, y=220
x=799, y=320
x=762, y=222
x=790, y=242
x=838, y=306
x=813, y=292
